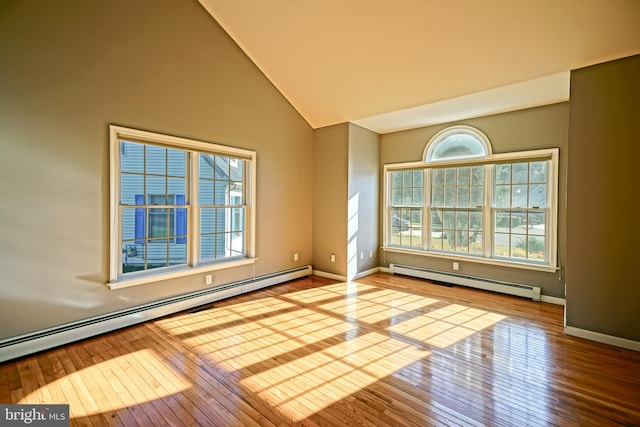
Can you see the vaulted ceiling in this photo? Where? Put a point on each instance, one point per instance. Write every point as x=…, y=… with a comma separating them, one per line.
x=390, y=65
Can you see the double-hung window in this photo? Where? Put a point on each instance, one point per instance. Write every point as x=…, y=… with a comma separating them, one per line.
x=462, y=201
x=456, y=209
x=178, y=206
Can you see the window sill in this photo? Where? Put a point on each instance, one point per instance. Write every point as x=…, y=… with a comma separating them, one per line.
x=173, y=273
x=457, y=257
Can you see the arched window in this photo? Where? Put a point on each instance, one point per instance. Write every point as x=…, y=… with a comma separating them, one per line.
x=457, y=142
x=462, y=202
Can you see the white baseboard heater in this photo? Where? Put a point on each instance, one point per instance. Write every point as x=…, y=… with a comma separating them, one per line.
x=22, y=345
x=516, y=289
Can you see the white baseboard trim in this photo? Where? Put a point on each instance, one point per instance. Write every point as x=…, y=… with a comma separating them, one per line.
x=603, y=338
x=384, y=270
x=22, y=345
x=366, y=273
x=344, y=278
x=329, y=275
x=553, y=300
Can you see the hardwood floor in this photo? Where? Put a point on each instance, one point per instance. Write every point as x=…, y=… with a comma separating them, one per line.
x=383, y=351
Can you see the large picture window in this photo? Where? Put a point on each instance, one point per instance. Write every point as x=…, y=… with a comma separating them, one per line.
x=177, y=206
x=462, y=201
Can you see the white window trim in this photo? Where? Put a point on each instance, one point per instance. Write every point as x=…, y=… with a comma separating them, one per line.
x=550, y=154
x=117, y=133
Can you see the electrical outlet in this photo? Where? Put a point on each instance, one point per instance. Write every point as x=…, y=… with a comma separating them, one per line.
x=333, y=258
x=370, y=254
x=295, y=256
x=456, y=266
x=361, y=255
x=208, y=279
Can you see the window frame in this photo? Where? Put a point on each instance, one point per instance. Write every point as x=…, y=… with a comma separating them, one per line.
x=193, y=266
x=487, y=257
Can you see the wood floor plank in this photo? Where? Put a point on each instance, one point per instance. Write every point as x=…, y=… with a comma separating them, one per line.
x=79, y=405
x=125, y=391
x=140, y=372
x=213, y=382
x=385, y=350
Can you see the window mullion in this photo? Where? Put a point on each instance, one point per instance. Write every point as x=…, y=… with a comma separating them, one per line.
x=193, y=227
x=119, y=231
x=547, y=237
x=245, y=205
x=389, y=224
x=426, y=209
x=488, y=210
x=389, y=208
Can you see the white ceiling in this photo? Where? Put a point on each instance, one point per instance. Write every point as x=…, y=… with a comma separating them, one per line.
x=390, y=65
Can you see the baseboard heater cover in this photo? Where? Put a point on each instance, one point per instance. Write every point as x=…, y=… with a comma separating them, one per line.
x=516, y=289
x=22, y=345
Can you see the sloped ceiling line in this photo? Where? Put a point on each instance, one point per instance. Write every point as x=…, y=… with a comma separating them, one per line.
x=395, y=65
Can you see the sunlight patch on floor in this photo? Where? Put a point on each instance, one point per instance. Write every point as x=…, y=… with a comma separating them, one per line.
x=208, y=319
x=375, y=307
x=306, y=350
x=242, y=345
x=446, y=326
x=123, y=373
x=306, y=385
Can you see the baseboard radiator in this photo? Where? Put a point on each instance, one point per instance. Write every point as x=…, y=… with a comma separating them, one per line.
x=517, y=289
x=23, y=345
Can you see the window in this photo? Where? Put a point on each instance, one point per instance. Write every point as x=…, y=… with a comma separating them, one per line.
x=464, y=201
x=456, y=209
x=221, y=201
x=406, y=213
x=520, y=214
x=178, y=206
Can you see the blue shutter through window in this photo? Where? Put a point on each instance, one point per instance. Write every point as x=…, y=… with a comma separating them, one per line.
x=139, y=220
x=181, y=220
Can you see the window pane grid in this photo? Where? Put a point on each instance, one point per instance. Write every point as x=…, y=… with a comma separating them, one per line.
x=222, y=207
x=153, y=179
x=155, y=207
x=407, y=188
x=457, y=198
x=406, y=227
x=521, y=185
x=221, y=232
x=520, y=216
x=520, y=234
x=456, y=230
x=407, y=200
x=150, y=238
x=457, y=187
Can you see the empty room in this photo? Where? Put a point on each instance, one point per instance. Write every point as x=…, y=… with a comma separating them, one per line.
x=314, y=213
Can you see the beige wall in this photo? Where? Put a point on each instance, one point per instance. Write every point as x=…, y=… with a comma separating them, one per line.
x=345, y=202
x=330, y=190
x=530, y=129
x=68, y=70
x=363, y=201
x=603, y=289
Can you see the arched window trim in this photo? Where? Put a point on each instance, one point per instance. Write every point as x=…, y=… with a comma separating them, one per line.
x=444, y=134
